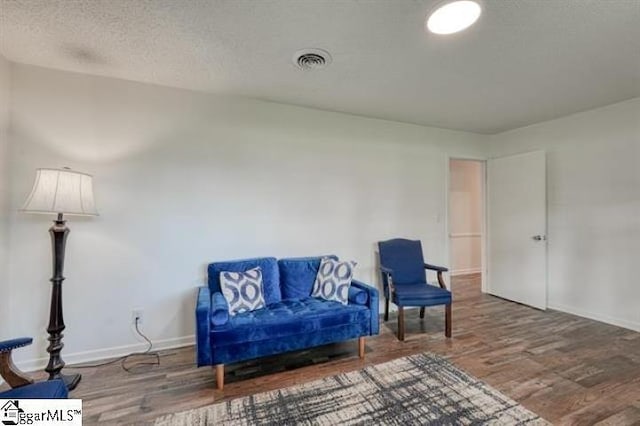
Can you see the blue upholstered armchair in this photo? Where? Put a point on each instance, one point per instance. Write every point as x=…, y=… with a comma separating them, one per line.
x=22, y=386
x=403, y=277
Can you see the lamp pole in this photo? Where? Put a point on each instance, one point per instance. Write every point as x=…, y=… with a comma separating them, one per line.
x=60, y=191
x=59, y=232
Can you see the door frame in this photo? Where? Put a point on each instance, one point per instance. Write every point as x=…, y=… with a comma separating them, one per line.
x=484, y=273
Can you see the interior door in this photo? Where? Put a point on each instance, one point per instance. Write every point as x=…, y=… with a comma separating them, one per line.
x=517, y=224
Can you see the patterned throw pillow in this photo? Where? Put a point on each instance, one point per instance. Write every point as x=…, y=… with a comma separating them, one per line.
x=243, y=290
x=333, y=280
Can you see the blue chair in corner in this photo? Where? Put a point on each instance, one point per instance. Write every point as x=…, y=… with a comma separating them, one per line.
x=23, y=387
x=404, y=279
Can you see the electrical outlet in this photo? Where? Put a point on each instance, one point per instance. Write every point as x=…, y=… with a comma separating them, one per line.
x=137, y=316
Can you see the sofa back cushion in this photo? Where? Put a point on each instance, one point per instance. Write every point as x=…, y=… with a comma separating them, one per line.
x=270, y=275
x=297, y=275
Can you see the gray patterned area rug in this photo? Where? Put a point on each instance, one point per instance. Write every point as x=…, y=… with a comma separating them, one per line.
x=422, y=389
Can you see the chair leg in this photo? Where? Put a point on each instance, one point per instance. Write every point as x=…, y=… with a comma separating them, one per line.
x=10, y=373
x=361, y=347
x=401, y=323
x=386, y=309
x=220, y=376
x=422, y=312
x=447, y=320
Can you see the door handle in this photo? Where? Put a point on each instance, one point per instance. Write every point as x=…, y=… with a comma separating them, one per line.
x=539, y=237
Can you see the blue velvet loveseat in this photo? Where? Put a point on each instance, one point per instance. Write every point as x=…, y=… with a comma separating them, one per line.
x=292, y=319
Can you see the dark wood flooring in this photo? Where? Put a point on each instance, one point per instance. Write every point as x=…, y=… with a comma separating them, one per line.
x=569, y=370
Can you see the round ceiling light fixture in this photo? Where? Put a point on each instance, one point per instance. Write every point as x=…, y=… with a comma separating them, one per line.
x=453, y=16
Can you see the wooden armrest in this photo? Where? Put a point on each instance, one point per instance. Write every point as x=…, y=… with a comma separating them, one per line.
x=439, y=270
x=436, y=268
x=9, y=372
x=388, y=272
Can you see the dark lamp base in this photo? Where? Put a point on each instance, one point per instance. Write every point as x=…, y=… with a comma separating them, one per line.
x=71, y=380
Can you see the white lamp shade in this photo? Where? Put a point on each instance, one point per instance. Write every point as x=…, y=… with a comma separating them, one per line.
x=61, y=191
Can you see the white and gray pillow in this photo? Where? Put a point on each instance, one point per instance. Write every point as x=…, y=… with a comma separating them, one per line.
x=243, y=290
x=333, y=280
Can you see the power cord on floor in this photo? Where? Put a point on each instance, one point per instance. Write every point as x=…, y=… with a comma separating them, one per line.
x=123, y=359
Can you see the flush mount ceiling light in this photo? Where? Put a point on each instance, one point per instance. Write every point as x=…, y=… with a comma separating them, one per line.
x=454, y=16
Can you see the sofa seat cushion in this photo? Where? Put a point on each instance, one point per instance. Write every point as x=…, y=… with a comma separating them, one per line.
x=420, y=294
x=286, y=318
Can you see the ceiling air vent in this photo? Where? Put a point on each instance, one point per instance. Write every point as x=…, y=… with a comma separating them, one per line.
x=311, y=59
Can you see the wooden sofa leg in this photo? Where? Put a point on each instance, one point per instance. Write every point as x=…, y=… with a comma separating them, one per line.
x=361, y=347
x=422, y=312
x=386, y=309
x=220, y=376
x=447, y=320
x=401, y=323
x=10, y=373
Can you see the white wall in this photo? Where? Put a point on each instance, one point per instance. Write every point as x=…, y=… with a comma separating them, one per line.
x=465, y=216
x=182, y=179
x=5, y=94
x=593, y=190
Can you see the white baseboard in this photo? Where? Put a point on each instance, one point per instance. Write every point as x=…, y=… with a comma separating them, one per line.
x=631, y=325
x=106, y=353
x=466, y=271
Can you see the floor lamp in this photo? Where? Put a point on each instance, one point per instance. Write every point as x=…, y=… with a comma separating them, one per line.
x=60, y=191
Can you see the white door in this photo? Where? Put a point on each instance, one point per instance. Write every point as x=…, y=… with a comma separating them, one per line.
x=517, y=224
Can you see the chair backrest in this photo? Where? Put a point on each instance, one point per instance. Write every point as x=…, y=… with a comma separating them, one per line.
x=404, y=258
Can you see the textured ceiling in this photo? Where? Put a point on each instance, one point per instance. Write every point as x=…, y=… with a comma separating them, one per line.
x=523, y=62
